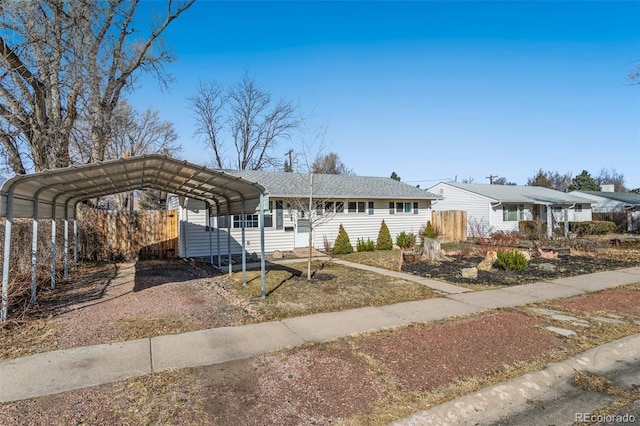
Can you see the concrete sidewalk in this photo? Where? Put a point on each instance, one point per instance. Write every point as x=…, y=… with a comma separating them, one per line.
x=59, y=371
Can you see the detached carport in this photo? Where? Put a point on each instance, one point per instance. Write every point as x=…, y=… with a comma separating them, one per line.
x=55, y=194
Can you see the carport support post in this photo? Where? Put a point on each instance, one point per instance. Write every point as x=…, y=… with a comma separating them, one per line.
x=75, y=245
x=53, y=251
x=229, y=219
x=34, y=254
x=263, y=273
x=549, y=221
x=66, y=248
x=244, y=255
x=208, y=207
x=7, y=256
x=566, y=222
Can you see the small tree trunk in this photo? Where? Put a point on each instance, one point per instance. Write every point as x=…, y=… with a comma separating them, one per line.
x=431, y=249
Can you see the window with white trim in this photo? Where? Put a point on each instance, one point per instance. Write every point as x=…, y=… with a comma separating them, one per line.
x=356, y=206
x=512, y=212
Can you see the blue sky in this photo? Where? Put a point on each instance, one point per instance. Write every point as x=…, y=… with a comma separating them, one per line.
x=430, y=90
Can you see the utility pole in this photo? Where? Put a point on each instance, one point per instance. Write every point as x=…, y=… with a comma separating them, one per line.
x=491, y=177
x=290, y=154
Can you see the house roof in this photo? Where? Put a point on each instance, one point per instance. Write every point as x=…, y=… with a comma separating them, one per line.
x=297, y=185
x=631, y=198
x=55, y=193
x=521, y=194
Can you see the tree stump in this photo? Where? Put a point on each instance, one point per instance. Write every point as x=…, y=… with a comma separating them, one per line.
x=431, y=250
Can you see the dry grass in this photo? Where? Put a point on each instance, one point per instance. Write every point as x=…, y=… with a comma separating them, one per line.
x=16, y=338
x=333, y=287
x=387, y=259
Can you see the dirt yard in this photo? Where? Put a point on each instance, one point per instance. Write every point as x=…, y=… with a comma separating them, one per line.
x=365, y=380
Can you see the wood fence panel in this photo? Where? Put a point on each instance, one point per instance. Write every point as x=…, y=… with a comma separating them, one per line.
x=450, y=225
x=146, y=234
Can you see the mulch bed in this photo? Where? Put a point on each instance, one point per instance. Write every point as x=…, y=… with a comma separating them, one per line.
x=563, y=266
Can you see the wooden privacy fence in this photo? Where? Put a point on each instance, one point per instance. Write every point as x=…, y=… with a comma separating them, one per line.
x=619, y=218
x=450, y=225
x=112, y=235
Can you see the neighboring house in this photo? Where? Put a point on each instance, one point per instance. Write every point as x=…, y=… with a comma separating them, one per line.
x=501, y=207
x=358, y=203
x=615, y=202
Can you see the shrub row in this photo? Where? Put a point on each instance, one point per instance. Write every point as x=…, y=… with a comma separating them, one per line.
x=342, y=244
x=536, y=228
x=594, y=227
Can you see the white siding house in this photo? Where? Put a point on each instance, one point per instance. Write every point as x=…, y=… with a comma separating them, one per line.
x=501, y=207
x=615, y=202
x=358, y=203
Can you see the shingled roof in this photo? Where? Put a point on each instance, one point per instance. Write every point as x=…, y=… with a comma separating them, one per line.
x=522, y=194
x=630, y=198
x=282, y=184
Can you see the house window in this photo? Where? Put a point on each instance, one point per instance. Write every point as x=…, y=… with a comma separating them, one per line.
x=370, y=207
x=249, y=220
x=512, y=212
x=578, y=208
x=392, y=209
x=339, y=207
x=356, y=207
x=329, y=207
x=415, y=207
x=401, y=207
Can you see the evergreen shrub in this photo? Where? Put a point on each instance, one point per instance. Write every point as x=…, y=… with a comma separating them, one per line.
x=342, y=245
x=512, y=260
x=363, y=245
x=405, y=240
x=384, y=241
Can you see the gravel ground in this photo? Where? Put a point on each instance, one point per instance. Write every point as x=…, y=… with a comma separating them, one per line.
x=321, y=384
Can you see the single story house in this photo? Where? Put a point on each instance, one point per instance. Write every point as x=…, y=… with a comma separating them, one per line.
x=615, y=202
x=359, y=203
x=500, y=207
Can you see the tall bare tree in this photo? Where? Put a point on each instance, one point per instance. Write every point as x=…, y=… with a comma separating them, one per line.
x=59, y=57
x=553, y=180
x=208, y=105
x=250, y=117
x=612, y=177
x=330, y=164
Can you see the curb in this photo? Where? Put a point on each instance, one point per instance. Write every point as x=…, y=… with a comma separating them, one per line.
x=506, y=399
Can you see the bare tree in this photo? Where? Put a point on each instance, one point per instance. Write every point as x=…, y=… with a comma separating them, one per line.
x=330, y=164
x=59, y=57
x=132, y=133
x=612, y=177
x=255, y=123
x=208, y=106
x=313, y=209
x=499, y=180
x=553, y=180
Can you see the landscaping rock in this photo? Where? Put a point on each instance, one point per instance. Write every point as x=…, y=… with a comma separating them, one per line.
x=548, y=267
x=277, y=255
x=470, y=273
x=488, y=261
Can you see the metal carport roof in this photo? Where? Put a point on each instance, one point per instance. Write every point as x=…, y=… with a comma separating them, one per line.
x=35, y=195
x=54, y=194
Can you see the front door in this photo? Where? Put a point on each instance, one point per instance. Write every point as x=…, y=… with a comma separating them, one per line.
x=303, y=227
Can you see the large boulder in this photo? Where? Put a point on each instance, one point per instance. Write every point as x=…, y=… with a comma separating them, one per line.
x=470, y=273
x=488, y=261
